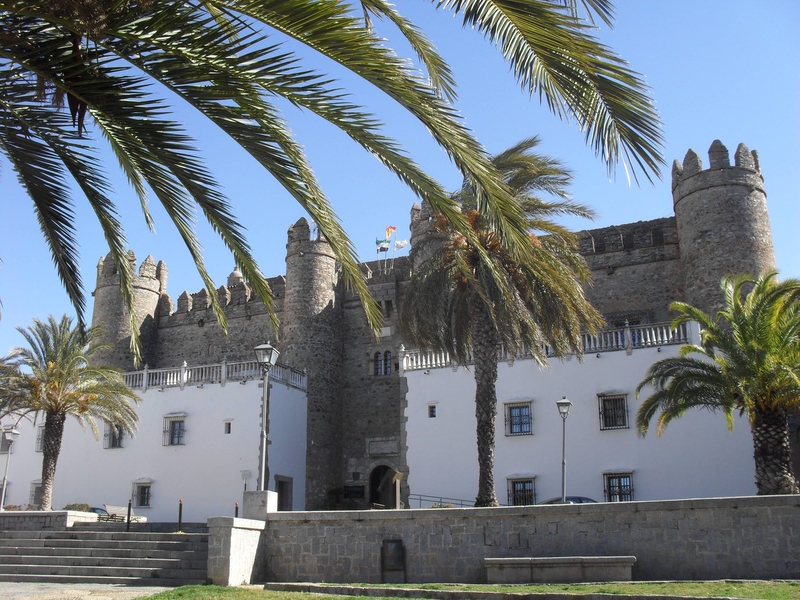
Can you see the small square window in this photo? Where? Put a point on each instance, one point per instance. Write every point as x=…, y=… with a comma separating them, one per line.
x=227, y=427
x=613, y=411
x=618, y=487
x=518, y=419
x=431, y=411
x=521, y=492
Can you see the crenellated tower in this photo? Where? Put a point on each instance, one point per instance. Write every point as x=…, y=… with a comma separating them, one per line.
x=111, y=315
x=311, y=339
x=722, y=220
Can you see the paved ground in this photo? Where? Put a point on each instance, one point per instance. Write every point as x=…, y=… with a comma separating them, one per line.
x=75, y=591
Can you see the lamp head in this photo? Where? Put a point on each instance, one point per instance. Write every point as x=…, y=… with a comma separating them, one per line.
x=563, y=407
x=266, y=355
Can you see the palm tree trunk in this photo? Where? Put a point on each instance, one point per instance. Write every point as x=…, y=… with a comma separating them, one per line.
x=51, y=447
x=772, y=453
x=485, y=354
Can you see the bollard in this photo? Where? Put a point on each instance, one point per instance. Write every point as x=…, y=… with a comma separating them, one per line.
x=128, y=520
x=180, y=514
x=236, y=511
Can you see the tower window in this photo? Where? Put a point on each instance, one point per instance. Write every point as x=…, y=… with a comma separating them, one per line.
x=383, y=363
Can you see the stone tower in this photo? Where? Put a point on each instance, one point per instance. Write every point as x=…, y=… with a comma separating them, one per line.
x=722, y=221
x=311, y=339
x=110, y=314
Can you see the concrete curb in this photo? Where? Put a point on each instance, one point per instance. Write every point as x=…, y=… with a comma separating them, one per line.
x=399, y=592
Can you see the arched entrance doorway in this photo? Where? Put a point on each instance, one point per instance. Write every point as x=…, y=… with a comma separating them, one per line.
x=381, y=491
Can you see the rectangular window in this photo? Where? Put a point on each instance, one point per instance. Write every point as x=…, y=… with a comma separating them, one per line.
x=36, y=494
x=113, y=436
x=227, y=427
x=618, y=487
x=518, y=419
x=5, y=444
x=174, y=430
x=431, y=411
x=521, y=492
x=613, y=411
x=141, y=495
x=39, y=438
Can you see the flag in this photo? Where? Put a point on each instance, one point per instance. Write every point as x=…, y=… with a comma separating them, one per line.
x=400, y=244
x=390, y=230
x=382, y=245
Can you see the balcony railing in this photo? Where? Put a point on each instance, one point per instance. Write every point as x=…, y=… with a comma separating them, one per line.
x=219, y=373
x=627, y=338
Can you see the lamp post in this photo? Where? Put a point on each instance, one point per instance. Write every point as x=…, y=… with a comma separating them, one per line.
x=267, y=356
x=9, y=435
x=563, y=409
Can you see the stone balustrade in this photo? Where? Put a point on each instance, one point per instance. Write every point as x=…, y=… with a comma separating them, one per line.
x=219, y=373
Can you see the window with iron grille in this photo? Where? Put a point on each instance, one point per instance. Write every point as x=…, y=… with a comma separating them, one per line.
x=431, y=411
x=36, y=494
x=521, y=492
x=613, y=411
x=618, y=487
x=113, y=436
x=174, y=430
x=141, y=494
x=5, y=444
x=39, y=439
x=518, y=419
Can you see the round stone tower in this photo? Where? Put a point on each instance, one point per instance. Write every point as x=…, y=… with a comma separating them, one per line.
x=722, y=220
x=311, y=340
x=110, y=313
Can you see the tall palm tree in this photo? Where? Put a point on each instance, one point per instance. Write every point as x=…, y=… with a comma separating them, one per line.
x=748, y=360
x=53, y=378
x=222, y=58
x=469, y=307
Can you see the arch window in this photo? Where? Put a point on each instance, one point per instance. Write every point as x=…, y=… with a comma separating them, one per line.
x=383, y=363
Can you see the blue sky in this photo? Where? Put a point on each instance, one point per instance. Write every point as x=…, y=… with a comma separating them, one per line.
x=718, y=69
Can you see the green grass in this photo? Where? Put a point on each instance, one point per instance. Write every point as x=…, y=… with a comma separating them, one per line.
x=755, y=590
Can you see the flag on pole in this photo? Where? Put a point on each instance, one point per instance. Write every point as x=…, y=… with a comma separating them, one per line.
x=400, y=244
x=382, y=245
x=390, y=230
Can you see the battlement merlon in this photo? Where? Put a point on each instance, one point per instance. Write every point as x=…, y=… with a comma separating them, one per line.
x=690, y=177
x=150, y=276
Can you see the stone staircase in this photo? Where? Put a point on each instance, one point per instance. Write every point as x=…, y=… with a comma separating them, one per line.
x=104, y=554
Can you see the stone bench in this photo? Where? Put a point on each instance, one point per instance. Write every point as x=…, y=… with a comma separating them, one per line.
x=559, y=569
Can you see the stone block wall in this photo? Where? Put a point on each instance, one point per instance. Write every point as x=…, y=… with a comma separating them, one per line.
x=749, y=537
x=32, y=520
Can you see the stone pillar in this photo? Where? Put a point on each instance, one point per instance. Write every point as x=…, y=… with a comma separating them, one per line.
x=233, y=551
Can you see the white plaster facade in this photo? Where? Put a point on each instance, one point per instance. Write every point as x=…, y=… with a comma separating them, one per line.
x=696, y=457
x=205, y=472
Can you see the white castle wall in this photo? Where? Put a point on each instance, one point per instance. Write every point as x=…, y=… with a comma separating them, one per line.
x=696, y=457
x=205, y=472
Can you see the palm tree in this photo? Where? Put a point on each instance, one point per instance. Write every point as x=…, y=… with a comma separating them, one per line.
x=53, y=377
x=748, y=360
x=456, y=303
x=101, y=57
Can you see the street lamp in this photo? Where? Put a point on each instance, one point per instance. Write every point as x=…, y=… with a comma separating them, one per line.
x=267, y=356
x=563, y=409
x=9, y=435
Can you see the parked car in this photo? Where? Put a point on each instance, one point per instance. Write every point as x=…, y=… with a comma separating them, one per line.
x=570, y=500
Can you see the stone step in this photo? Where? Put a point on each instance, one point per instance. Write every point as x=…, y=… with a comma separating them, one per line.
x=104, y=535
x=141, y=527
x=105, y=561
x=114, y=544
x=28, y=578
x=153, y=574
x=201, y=554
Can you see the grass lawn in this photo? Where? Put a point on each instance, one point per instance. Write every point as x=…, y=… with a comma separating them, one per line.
x=756, y=590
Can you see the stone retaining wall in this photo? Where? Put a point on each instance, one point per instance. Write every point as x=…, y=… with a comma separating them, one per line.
x=33, y=520
x=748, y=537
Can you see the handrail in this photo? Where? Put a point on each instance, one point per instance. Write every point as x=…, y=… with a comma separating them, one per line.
x=215, y=373
x=627, y=338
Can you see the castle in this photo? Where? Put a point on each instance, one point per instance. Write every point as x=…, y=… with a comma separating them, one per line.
x=356, y=397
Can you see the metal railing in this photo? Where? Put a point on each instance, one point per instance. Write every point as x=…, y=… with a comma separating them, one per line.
x=217, y=373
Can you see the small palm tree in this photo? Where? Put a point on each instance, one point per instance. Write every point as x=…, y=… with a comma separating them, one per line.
x=226, y=59
x=748, y=360
x=53, y=377
x=469, y=299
